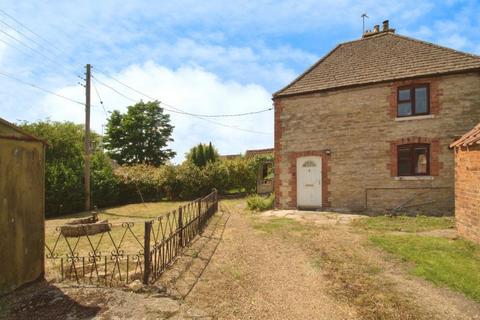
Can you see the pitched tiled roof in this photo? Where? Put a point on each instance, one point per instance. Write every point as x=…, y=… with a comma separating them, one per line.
x=377, y=58
x=468, y=139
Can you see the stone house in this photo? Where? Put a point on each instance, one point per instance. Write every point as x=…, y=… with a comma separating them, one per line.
x=467, y=184
x=368, y=127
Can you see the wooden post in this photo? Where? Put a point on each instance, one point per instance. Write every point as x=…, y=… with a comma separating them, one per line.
x=87, y=139
x=146, y=252
x=180, y=225
x=215, y=199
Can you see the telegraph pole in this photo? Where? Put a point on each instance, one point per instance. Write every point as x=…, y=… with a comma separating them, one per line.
x=87, y=137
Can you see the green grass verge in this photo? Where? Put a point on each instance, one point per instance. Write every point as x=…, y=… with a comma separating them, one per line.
x=405, y=224
x=454, y=263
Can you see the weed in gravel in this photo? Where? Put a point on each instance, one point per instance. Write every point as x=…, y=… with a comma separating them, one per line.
x=278, y=224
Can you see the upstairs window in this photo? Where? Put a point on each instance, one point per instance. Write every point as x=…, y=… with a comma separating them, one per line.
x=413, y=101
x=413, y=159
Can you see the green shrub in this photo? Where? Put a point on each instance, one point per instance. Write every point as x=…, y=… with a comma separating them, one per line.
x=104, y=184
x=260, y=203
x=64, y=188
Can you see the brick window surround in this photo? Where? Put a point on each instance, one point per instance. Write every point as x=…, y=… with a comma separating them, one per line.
x=292, y=170
x=434, y=94
x=435, y=164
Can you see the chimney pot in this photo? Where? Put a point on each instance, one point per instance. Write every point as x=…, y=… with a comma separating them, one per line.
x=376, y=28
x=385, y=26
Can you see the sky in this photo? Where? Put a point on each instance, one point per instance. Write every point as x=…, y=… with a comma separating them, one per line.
x=204, y=57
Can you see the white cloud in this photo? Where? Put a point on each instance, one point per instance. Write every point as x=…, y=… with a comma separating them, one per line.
x=190, y=88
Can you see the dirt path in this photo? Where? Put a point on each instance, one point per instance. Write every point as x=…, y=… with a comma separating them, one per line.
x=276, y=265
x=256, y=277
x=311, y=266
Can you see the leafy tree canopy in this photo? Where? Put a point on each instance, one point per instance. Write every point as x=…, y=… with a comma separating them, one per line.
x=139, y=136
x=202, y=154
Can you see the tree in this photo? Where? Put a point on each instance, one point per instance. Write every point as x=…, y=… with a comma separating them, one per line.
x=139, y=136
x=64, y=190
x=202, y=154
x=201, y=159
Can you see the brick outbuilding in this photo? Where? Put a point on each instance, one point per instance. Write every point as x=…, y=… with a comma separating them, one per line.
x=467, y=184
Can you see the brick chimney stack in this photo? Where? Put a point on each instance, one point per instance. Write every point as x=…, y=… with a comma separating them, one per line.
x=385, y=26
x=376, y=29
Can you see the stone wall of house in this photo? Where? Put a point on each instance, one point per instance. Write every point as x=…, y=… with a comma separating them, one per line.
x=467, y=192
x=356, y=132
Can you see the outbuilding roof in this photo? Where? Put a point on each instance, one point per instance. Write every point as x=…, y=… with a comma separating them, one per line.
x=10, y=131
x=380, y=57
x=470, y=138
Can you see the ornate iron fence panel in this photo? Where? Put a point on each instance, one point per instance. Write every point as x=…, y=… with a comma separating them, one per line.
x=170, y=233
x=116, y=254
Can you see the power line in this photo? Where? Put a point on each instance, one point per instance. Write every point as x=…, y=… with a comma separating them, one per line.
x=99, y=98
x=31, y=31
x=52, y=59
x=114, y=90
x=34, y=50
x=40, y=88
x=220, y=115
x=182, y=112
x=25, y=36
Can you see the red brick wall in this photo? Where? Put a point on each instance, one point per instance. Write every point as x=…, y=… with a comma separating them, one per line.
x=277, y=151
x=435, y=94
x=467, y=192
x=435, y=164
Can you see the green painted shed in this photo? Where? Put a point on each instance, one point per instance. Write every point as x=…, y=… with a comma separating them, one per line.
x=22, y=206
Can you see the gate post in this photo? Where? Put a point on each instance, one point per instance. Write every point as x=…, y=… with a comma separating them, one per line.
x=146, y=252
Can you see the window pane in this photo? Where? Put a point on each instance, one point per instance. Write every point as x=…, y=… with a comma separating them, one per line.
x=404, y=95
x=421, y=160
x=421, y=100
x=404, y=109
x=404, y=162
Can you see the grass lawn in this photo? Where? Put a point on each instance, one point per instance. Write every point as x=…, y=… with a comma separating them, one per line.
x=405, y=224
x=455, y=263
x=133, y=213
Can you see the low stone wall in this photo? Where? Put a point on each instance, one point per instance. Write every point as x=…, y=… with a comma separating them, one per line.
x=467, y=192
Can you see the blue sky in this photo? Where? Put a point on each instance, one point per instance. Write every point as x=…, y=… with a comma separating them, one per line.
x=202, y=56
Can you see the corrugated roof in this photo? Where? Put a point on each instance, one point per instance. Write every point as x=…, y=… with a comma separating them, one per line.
x=470, y=138
x=378, y=58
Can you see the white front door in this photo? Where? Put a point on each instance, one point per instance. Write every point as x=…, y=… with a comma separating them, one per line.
x=309, y=182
